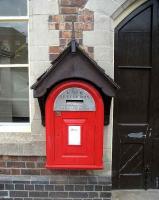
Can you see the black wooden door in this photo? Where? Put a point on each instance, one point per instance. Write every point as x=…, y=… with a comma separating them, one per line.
x=136, y=107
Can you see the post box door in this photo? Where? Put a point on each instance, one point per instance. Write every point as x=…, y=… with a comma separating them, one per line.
x=74, y=136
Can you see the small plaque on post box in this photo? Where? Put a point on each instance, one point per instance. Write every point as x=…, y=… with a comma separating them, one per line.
x=74, y=135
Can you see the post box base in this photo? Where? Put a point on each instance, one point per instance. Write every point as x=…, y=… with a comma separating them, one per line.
x=75, y=167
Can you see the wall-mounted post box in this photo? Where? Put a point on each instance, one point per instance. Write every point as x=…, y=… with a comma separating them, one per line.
x=74, y=126
x=74, y=96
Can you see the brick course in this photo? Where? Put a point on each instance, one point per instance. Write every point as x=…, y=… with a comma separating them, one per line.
x=33, y=181
x=30, y=187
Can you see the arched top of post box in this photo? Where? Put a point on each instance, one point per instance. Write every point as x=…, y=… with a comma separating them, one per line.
x=74, y=64
x=74, y=99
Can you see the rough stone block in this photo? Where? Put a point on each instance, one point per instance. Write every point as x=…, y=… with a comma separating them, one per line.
x=44, y=7
x=97, y=38
x=103, y=53
x=39, y=30
x=39, y=53
x=53, y=38
x=39, y=148
x=102, y=6
x=53, y=7
x=101, y=22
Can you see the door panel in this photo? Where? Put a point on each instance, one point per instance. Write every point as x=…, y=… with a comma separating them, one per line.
x=136, y=113
x=75, y=152
x=134, y=84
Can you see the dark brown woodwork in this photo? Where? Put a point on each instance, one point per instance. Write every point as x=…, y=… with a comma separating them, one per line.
x=74, y=64
x=136, y=109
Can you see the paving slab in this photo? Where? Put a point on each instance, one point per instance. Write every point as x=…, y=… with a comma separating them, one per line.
x=135, y=195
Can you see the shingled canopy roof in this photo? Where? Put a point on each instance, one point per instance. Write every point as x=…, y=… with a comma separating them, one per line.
x=73, y=63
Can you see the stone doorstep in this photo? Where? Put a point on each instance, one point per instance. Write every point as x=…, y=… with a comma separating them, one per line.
x=135, y=194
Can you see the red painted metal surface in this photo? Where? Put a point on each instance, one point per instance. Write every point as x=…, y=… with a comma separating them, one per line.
x=89, y=153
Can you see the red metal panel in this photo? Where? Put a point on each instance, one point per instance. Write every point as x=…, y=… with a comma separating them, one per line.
x=89, y=152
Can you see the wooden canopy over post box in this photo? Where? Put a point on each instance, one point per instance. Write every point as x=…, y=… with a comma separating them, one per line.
x=74, y=64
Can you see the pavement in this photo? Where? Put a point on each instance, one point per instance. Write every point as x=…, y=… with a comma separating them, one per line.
x=135, y=195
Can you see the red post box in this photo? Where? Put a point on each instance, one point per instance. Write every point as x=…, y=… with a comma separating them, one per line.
x=74, y=126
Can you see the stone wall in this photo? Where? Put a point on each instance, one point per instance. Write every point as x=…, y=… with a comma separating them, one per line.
x=49, y=33
x=23, y=175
